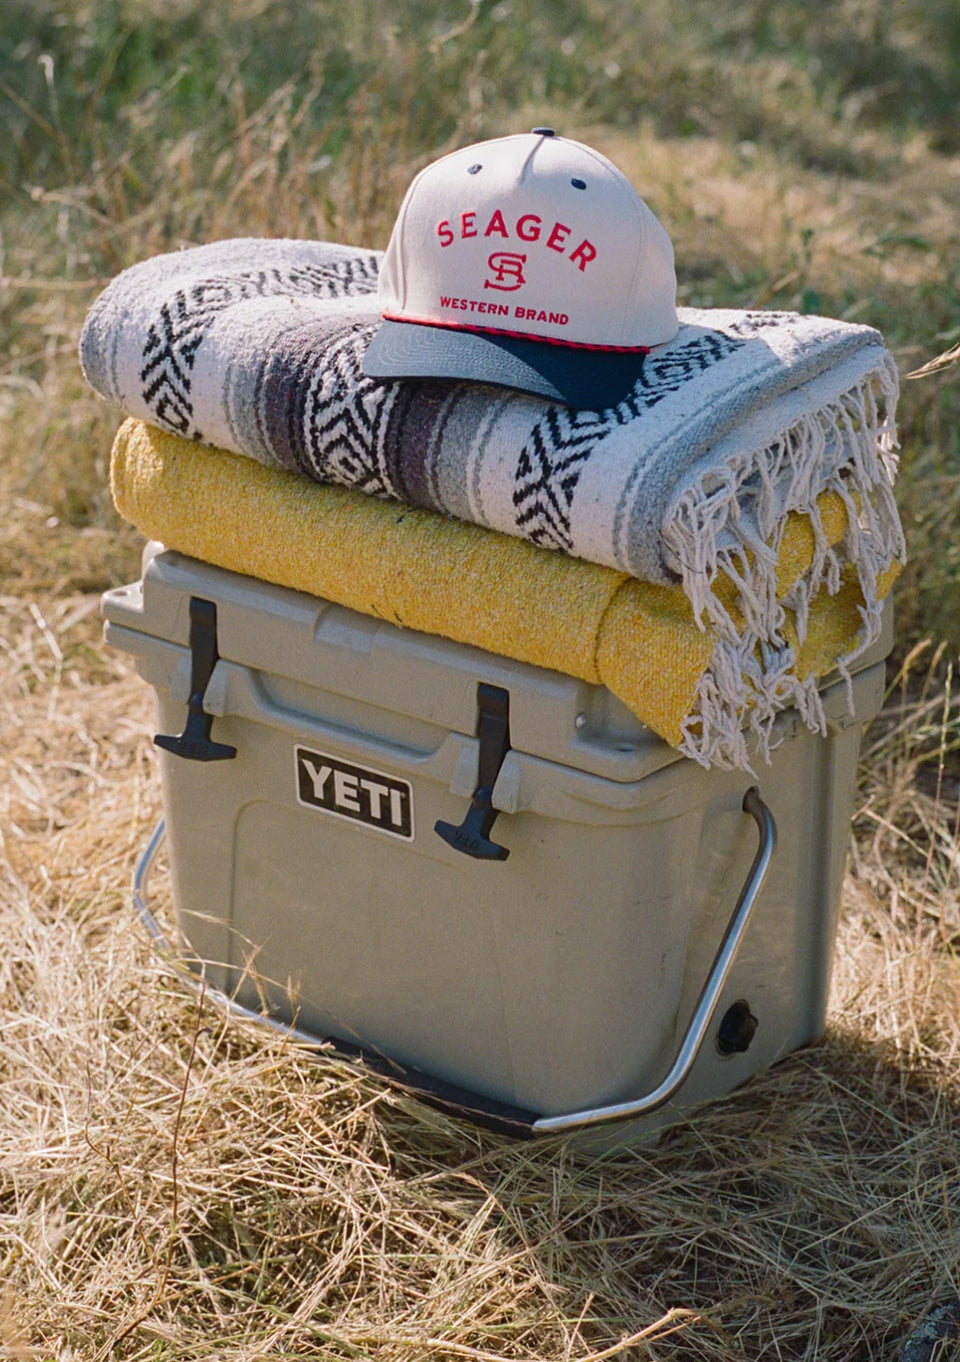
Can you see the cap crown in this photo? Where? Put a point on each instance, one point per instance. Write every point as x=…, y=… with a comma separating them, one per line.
x=531, y=235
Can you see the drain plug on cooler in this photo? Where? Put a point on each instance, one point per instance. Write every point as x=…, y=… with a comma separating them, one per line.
x=737, y=1030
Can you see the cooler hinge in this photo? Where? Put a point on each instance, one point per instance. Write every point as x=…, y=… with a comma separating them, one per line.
x=472, y=837
x=195, y=742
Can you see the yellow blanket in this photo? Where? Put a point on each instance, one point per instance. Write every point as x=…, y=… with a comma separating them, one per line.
x=425, y=571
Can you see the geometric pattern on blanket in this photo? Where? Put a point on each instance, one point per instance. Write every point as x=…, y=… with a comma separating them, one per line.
x=745, y=418
x=561, y=442
x=256, y=346
x=335, y=431
x=173, y=339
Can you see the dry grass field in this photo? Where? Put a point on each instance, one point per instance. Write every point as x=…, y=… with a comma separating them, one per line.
x=174, y=1185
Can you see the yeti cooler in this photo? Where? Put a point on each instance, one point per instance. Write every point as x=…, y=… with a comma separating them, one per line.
x=489, y=881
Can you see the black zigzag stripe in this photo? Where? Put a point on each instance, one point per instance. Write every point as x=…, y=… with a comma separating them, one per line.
x=173, y=340
x=338, y=279
x=548, y=472
x=666, y=373
x=751, y=323
x=552, y=460
x=341, y=420
x=169, y=355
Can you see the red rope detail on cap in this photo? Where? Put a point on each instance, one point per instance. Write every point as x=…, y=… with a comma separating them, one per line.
x=519, y=335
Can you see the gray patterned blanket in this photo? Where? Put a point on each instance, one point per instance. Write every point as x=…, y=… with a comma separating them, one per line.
x=256, y=346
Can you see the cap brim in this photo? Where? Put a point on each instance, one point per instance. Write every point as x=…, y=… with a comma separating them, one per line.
x=577, y=377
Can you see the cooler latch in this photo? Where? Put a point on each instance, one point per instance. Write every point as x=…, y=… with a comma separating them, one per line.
x=472, y=837
x=195, y=742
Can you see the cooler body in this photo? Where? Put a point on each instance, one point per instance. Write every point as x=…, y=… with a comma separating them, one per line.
x=309, y=879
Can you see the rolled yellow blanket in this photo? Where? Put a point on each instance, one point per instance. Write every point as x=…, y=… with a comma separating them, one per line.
x=425, y=571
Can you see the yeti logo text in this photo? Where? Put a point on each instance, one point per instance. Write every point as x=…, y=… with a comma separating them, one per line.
x=505, y=266
x=356, y=792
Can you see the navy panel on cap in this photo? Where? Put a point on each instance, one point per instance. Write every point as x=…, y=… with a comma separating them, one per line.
x=576, y=377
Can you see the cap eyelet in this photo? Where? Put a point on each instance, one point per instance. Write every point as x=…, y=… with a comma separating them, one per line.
x=472, y=170
x=578, y=184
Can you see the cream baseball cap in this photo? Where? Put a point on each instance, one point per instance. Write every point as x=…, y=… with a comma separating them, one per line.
x=530, y=262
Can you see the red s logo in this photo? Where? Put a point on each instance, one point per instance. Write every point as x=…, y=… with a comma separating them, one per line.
x=505, y=267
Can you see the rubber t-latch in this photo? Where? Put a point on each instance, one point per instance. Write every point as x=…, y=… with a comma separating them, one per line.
x=472, y=837
x=195, y=743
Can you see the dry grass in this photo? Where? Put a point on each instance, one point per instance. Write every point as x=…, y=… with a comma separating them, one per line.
x=173, y=1185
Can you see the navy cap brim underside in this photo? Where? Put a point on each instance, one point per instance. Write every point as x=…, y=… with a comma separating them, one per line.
x=591, y=379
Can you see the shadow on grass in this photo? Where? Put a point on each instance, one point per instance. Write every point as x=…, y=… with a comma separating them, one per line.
x=811, y=1214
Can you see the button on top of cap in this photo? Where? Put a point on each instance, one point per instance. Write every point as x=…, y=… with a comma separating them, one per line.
x=543, y=132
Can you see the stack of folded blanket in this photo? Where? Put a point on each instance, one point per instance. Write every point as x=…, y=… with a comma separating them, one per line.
x=708, y=549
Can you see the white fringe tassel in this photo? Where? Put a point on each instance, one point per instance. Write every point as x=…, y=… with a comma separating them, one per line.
x=732, y=521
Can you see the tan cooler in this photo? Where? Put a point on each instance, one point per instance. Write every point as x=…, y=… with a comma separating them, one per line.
x=489, y=881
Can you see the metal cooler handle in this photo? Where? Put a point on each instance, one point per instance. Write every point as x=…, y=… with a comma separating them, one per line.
x=485, y=1111
x=709, y=994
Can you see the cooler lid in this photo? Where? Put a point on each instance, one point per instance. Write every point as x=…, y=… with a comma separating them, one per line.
x=370, y=675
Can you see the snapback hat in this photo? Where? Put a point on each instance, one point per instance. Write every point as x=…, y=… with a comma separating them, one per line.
x=529, y=262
